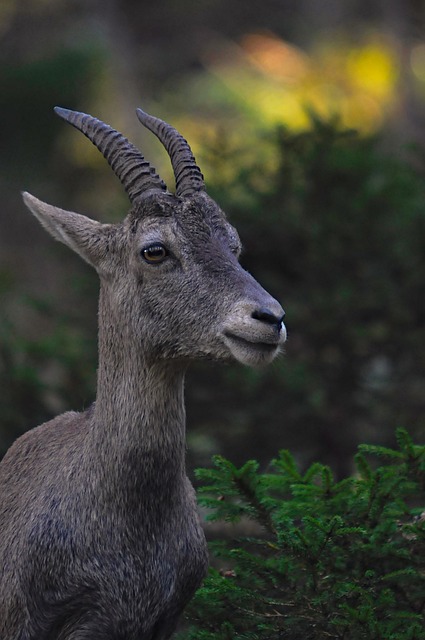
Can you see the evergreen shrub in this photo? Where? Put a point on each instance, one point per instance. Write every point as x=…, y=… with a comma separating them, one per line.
x=343, y=560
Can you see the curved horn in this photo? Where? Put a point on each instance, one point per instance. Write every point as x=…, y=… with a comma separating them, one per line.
x=128, y=164
x=187, y=174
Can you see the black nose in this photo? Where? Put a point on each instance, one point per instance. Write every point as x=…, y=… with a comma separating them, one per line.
x=265, y=315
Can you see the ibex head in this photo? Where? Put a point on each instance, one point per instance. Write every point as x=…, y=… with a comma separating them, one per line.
x=171, y=280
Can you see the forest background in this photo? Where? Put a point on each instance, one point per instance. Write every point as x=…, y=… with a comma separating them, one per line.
x=307, y=120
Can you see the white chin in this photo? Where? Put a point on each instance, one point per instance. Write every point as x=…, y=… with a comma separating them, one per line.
x=253, y=354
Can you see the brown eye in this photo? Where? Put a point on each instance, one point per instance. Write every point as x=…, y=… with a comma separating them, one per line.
x=155, y=253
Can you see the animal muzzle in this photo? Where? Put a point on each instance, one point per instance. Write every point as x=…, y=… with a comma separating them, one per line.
x=254, y=331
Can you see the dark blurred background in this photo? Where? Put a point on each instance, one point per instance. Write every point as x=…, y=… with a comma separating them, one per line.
x=307, y=119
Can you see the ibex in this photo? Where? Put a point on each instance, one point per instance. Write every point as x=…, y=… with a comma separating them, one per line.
x=99, y=533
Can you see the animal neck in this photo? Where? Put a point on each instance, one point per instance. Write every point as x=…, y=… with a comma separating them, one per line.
x=139, y=411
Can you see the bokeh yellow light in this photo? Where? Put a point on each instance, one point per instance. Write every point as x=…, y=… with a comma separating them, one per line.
x=373, y=69
x=279, y=82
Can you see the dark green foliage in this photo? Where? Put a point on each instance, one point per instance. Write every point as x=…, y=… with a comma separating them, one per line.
x=337, y=234
x=328, y=559
x=29, y=128
x=40, y=374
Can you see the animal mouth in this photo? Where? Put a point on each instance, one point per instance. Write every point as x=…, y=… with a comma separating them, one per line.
x=257, y=345
x=250, y=351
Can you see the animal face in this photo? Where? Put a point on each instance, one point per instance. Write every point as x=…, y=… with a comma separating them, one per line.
x=177, y=285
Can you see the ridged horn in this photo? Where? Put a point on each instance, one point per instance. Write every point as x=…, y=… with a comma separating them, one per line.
x=127, y=162
x=186, y=172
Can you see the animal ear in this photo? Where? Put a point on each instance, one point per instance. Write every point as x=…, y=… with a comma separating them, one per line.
x=89, y=238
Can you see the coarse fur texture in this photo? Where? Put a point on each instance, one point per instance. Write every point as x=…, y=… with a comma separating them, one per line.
x=99, y=533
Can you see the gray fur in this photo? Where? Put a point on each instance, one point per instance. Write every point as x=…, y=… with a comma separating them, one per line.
x=99, y=533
